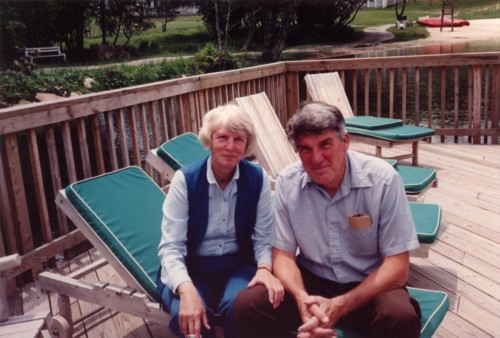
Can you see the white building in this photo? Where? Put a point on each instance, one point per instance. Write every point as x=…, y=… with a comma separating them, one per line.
x=380, y=3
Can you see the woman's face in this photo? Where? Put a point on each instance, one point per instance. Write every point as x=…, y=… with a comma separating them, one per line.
x=228, y=148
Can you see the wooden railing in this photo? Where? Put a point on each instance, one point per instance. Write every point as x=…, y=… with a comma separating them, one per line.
x=45, y=146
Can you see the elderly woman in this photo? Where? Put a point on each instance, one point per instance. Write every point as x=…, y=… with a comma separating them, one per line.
x=215, y=229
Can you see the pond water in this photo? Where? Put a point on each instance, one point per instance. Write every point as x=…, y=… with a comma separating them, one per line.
x=443, y=48
x=448, y=48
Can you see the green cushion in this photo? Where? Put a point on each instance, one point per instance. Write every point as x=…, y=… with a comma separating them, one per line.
x=393, y=163
x=416, y=179
x=433, y=304
x=182, y=150
x=401, y=133
x=124, y=209
x=427, y=219
x=371, y=122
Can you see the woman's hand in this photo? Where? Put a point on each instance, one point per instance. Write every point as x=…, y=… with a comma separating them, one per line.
x=273, y=285
x=192, y=312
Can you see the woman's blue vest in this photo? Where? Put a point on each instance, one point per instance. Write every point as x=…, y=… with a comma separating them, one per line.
x=249, y=188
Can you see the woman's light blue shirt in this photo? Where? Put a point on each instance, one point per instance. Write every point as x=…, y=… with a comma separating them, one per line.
x=220, y=238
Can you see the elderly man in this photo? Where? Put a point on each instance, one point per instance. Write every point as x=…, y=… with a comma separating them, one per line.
x=347, y=216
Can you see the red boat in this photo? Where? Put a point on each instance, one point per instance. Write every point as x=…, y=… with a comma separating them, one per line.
x=436, y=22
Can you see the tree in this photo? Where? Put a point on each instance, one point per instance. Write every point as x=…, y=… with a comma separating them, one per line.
x=221, y=17
x=400, y=10
x=168, y=10
x=134, y=20
x=120, y=16
x=12, y=28
x=73, y=16
x=100, y=11
x=320, y=20
x=250, y=20
x=276, y=18
x=36, y=23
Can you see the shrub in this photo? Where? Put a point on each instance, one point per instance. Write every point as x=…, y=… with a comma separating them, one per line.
x=208, y=60
x=143, y=45
x=412, y=32
x=21, y=81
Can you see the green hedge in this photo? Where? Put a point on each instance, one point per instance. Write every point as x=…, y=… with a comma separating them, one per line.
x=22, y=81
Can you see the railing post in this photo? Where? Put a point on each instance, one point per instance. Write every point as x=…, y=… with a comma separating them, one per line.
x=495, y=106
x=476, y=103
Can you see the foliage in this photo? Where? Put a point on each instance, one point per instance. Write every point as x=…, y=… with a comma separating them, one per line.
x=275, y=23
x=277, y=18
x=120, y=16
x=330, y=19
x=412, y=32
x=36, y=24
x=22, y=81
x=186, y=35
x=209, y=60
x=167, y=10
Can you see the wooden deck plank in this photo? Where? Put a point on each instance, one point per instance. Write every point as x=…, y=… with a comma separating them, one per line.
x=479, y=317
x=472, y=244
x=465, y=260
x=455, y=326
x=472, y=227
x=96, y=325
x=124, y=323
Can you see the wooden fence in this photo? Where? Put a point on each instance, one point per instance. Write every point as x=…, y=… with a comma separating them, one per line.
x=45, y=146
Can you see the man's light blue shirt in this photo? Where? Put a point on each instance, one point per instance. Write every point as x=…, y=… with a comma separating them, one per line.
x=308, y=219
x=220, y=238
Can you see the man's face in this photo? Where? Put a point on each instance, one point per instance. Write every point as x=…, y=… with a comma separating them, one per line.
x=324, y=158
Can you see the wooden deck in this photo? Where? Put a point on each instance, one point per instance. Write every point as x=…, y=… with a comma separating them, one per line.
x=465, y=262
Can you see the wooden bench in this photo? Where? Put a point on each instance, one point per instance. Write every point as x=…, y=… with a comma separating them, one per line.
x=43, y=52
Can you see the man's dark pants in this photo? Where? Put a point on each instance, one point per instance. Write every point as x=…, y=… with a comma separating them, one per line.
x=392, y=314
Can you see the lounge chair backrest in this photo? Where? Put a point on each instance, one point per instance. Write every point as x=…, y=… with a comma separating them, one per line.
x=182, y=150
x=328, y=87
x=120, y=213
x=273, y=151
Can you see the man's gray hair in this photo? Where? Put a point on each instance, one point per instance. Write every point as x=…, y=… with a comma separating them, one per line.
x=315, y=118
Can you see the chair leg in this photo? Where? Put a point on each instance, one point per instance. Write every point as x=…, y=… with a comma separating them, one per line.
x=64, y=322
x=60, y=327
x=414, y=146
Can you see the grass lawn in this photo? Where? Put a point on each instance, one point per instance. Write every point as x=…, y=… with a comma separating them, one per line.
x=184, y=35
x=464, y=9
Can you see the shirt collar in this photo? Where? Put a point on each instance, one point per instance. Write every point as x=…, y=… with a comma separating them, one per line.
x=210, y=173
x=354, y=177
x=358, y=176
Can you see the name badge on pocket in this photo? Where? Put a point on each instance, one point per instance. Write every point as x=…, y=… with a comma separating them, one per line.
x=360, y=220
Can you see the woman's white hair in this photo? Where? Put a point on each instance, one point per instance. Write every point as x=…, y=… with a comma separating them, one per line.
x=231, y=117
